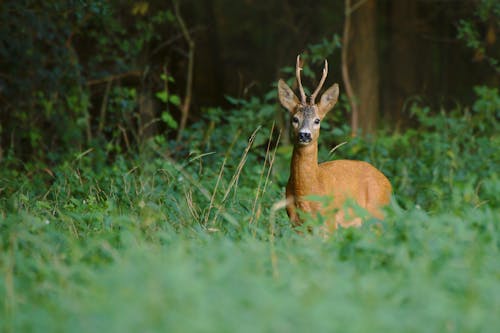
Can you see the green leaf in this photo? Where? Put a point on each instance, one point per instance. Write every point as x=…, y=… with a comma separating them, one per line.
x=232, y=100
x=162, y=96
x=175, y=100
x=169, y=120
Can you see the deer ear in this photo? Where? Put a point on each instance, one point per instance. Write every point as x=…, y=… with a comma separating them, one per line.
x=328, y=99
x=287, y=97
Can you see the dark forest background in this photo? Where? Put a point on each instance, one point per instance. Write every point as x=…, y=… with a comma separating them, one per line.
x=85, y=73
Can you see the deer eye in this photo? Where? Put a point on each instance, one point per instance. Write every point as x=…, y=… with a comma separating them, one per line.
x=295, y=120
x=316, y=121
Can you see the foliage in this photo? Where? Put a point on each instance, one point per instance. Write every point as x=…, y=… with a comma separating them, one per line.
x=75, y=75
x=151, y=244
x=479, y=32
x=441, y=271
x=191, y=235
x=88, y=74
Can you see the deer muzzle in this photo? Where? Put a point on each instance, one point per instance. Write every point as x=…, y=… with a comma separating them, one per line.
x=304, y=137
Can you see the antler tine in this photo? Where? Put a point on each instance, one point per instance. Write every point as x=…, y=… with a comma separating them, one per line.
x=297, y=73
x=320, y=85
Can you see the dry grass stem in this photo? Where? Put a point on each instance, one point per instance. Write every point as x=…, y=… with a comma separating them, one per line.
x=258, y=190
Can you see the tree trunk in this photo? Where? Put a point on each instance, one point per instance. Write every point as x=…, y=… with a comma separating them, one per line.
x=213, y=80
x=402, y=64
x=363, y=63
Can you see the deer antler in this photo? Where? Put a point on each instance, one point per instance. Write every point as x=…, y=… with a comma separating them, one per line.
x=297, y=73
x=320, y=85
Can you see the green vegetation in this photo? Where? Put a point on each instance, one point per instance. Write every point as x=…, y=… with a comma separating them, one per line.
x=109, y=224
x=151, y=243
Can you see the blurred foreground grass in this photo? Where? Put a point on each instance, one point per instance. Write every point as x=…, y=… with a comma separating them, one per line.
x=126, y=254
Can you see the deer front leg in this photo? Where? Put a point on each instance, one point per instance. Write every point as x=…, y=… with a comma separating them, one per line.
x=290, y=207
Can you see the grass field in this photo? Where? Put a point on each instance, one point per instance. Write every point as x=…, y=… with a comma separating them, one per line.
x=200, y=244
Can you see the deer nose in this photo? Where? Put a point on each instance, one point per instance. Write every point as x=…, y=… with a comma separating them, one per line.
x=304, y=136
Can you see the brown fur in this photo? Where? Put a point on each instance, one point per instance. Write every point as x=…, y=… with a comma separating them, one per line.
x=341, y=180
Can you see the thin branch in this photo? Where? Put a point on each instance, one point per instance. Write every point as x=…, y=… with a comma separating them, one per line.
x=104, y=107
x=174, y=39
x=189, y=82
x=350, y=10
x=345, y=68
x=166, y=88
x=76, y=29
x=125, y=137
x=114, y=77
x=7, y=76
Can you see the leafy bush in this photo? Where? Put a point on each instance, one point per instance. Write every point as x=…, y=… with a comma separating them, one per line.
x=73, y=75
x=436, y=164
x=478, y=32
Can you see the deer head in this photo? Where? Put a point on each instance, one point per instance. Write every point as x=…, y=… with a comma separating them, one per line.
x=306, y=117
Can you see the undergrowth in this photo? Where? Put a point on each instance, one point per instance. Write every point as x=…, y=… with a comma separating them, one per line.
x=198, y=241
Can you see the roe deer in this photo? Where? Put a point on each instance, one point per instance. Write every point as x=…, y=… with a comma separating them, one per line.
x=342, y=180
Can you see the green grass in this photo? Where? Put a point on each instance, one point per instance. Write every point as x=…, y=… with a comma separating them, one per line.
x=127, y=249
x=200, y=243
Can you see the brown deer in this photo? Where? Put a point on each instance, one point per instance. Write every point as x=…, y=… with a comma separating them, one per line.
x=341, y=180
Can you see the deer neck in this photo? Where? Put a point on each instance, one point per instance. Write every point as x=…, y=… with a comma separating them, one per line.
x=304, y=170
